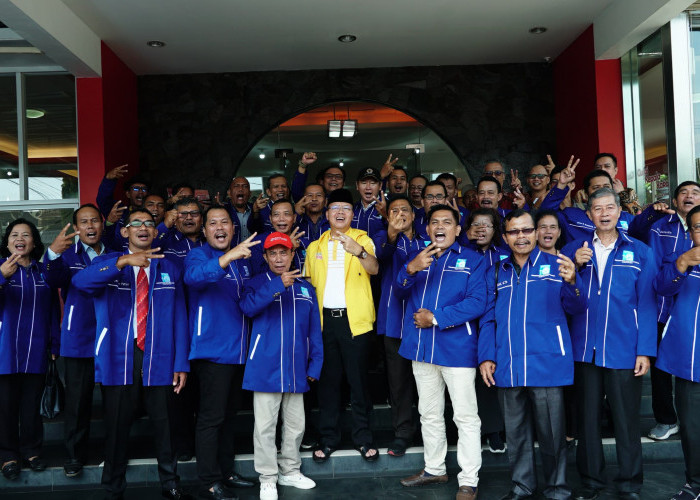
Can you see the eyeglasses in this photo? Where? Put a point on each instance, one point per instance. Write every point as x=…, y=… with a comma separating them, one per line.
x=333, y=176
x=193, y=213
x=481, y=224
x=431, y=197
x=526, y=231
x=139, y=223
x=142, y=189
x=495, y=173
x=336, y=208
x=537, y=176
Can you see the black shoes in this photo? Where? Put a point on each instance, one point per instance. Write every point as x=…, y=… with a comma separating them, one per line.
x=236, y=481
x=586, y=494
x=176, y=494
x=11, y=471
x=72, y=468
x=220, y=492
x=36, y=464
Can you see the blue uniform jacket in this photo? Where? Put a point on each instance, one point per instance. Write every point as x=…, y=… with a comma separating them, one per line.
x=679, y=350
x=576, y=225
x=114, y=293
x=392, y=258
x=30, y=315
x=368, y=220
x=619, y=323
x=492, y=254
x=524, y=330
x=420, y=220
x=257, y=260
x=453, y=289
x=668, y=239
x=286, y=343
x=232, y=212
x=79, y=323
x=218, y=328
x=312, y=231
x=175, y=245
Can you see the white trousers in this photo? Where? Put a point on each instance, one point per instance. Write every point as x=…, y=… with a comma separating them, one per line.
x=431, y=381
x=266, y=406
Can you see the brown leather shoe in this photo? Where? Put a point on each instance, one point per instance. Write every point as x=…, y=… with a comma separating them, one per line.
x=466, y=493
x=422, y=478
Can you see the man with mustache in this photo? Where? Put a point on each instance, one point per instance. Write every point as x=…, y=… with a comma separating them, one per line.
x=310, y=210
x=282, y=218
x=239, y=208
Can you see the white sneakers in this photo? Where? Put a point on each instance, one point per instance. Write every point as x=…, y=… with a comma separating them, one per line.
x=268, y=491
x=297, y=480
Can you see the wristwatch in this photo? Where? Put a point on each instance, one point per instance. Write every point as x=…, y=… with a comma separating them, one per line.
x=361, y=255
x=434, y=321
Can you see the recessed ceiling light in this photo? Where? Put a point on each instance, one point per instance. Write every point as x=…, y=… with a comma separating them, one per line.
x=347, y=38
x=155, y=43
x=538, y=30
x=34, y=113
x=9, y=174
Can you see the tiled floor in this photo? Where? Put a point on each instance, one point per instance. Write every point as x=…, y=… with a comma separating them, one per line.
x=660, y=483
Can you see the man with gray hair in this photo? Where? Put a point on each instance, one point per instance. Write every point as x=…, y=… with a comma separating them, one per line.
x=612, y=341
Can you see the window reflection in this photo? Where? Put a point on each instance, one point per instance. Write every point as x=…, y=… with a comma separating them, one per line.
x=9, y=182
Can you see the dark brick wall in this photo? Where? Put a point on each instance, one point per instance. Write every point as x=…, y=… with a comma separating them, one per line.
x=201, y=126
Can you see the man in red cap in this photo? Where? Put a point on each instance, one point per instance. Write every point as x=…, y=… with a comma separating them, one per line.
x=285, y=354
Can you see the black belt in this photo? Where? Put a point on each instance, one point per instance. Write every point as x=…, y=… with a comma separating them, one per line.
x=336, y=313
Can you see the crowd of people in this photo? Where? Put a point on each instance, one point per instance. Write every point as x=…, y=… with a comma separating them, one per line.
x=538, y=308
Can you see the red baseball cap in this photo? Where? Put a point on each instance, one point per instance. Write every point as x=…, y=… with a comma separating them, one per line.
x=277, y=238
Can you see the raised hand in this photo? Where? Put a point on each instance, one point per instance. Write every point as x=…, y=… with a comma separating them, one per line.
x=117, y=172
x=242, y=250
x=388, y=166
x=518, y=198
x=170, y=218
x=567, y=269
x=139, y=259
x=688, y=259
x=63, y=241
x=307, y=159
x=515, y=180
x=9, y=267
x=583, y=255
x=300, y=206
x=569, y=173
x=296, y=234
x=487, y=369
x=349, y=245
x=452, y=204
x=617, y=185
x=423, y=259
x=662, y=207
x=116, y=213
x=289, y=277
x=217, y=198
x=380, y=204
x=550, y=165
x=260, y=203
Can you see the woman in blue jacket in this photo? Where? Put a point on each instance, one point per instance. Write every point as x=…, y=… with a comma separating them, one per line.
x=679, y=350
x=286, y=352
x=29, y=327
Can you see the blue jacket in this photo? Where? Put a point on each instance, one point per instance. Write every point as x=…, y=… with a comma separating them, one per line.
x=420, y=220
x=312, y=231
x=392, y=258
x=369, y=220
x=175, y=245
x=257, y=260
x=452, y=288
x=287, y=345
x=679, y=350
x=619, y=323
x=114, y=293
x=576, y=224
x=232, y=212
x=668, y=239
x=79, y=323
x=29, y=320
x=262, y=224
x=218, y=328
x=492, y=254
x=524, y=330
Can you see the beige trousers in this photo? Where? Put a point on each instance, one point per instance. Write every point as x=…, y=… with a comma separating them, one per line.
x=266, y=406
x=431, y=381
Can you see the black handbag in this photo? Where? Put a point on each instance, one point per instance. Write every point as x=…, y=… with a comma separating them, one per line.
x=53, y=398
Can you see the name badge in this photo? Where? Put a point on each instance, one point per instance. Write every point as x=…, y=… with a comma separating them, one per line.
x=305, y=293
x=461, y=264
x=545, y=270
x=319, y=256
x=303, y=254
x=165, y=277
x=502, y=257
x=426, y=243
x=624, y=225
x=627, y=256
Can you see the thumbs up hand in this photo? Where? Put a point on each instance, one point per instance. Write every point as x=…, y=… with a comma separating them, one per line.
x=583, y=255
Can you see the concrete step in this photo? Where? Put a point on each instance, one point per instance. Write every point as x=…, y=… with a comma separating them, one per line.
x=343, y=464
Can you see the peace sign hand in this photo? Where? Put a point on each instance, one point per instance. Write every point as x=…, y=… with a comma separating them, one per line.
x=349, y=245
x=515, y=180
x=289, y=277
x=116, y=213
x=295, y=236
x=569, y=173
x=300, y=206
x=139, y=259
x=423, y=259
x=550, y=165
x=242, y=250
x=63, y=242
x=9, y=267
x=388, y=167
x=117, y=172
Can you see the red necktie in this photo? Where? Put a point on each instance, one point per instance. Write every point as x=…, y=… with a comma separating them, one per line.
x=141, y=308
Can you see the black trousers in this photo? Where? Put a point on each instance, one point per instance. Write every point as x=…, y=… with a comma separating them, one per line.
x=540, y=408
x=343, y=353
x=402, y=390
x=662, y=391
x=219, y=385
x=624, y=393
x=688, y=403
x=183, y=419
x=80, y=385
x=489, y=407
x=21, y=427
x=122, y=404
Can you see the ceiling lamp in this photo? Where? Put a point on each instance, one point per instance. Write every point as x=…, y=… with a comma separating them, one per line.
x=347, y=38
x=342, y=128
x=334, y=128
x=155, y=43
x=349, y=128
x=538, y=30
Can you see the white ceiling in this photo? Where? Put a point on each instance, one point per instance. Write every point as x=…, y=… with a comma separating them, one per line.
x=252, y=35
